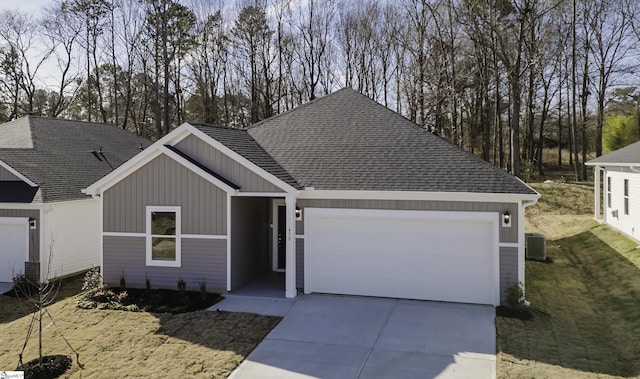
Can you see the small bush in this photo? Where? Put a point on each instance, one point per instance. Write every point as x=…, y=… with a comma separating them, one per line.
x=515, y=297
x=122, y=297
x=203, y=289
x=147, y=283
x=123, y=282
x=182, y=285
x=92, y=279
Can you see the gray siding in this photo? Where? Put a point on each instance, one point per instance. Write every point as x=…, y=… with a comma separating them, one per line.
x=165, y=182
x=6, y=176
x=508, y=269
x=249, y=239
x=202, y=259
x=34, y=234
x=225, y=166
x=509, y=234
x=299, y=262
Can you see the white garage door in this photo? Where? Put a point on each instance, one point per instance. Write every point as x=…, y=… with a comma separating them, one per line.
x=444, y=256
x=14, y=246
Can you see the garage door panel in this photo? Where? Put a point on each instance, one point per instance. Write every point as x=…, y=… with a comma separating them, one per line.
x=405, y=254
x=14, y=247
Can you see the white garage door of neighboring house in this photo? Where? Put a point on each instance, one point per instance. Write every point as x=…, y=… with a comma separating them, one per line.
x=426, y=255
x=14, y=246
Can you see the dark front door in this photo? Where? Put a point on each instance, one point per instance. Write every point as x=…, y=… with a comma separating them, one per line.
x=282, y=235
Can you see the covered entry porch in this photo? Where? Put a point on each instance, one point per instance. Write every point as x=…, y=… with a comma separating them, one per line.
x=261, y=250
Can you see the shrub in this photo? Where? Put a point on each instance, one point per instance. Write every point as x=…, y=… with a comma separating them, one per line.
x=123, y=282
x=92, y=279
x=147, y=282
x=515, y=297
x=182, y=285
x=203, y=289
x=122, y=296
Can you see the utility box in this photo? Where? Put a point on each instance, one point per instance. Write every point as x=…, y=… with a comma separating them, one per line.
x=535, y=246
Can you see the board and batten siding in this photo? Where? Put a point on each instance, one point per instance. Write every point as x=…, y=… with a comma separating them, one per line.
x=163, y=181
x=34, y=234
x=72, y=233
x=250, y=238
x=628, y=224
x=8, y=176
x=507, y=234
x=508, y=269
x=224, y=166
x=202, y=259
x=300, y=263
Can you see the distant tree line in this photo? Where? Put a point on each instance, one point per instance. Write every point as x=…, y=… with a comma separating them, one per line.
x=504, y=79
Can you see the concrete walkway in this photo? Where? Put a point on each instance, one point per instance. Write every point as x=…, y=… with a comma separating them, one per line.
x=327, y=336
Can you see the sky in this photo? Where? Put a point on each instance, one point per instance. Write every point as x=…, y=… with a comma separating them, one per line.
x=31, y=6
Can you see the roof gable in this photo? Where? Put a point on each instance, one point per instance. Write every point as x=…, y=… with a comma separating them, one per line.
x=346, y=141
x=626, y=156
x=64, y=156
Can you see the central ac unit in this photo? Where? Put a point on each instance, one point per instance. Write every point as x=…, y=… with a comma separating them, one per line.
x=535, y=246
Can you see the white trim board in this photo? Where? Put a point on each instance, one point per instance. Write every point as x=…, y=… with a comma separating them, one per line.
x=415, y=195
x=18, y=174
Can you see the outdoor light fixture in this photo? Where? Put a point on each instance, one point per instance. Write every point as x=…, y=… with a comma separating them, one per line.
x=298, y=213
x=32, y=223
x=506, y=218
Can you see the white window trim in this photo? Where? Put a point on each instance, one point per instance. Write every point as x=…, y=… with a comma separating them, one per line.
x=625, y=195
x=178, y=236
x=608, y=192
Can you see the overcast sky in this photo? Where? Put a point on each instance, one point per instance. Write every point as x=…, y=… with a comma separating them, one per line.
x=31, y=6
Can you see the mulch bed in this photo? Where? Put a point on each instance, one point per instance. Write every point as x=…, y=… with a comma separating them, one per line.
x=149, y=300
x=52, y=367
x=519, y=313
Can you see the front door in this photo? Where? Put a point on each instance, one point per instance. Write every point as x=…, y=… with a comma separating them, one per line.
x=279, y=235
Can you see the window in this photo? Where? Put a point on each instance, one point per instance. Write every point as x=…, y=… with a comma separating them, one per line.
x=626, y=196
x=163, y=236
x=609, y=192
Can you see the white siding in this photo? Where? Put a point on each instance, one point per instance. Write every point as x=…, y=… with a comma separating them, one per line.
x=72, y=234
x=628, y=224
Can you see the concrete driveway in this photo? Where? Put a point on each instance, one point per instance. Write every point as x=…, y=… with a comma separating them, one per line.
x=327, y=336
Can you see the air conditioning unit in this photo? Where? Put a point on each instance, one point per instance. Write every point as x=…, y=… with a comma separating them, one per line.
x=535, y=246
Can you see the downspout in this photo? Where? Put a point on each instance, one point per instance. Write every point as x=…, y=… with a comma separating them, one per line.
x=521, y=253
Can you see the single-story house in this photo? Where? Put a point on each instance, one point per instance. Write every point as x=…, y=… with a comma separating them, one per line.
x=48, y=227
x=617, y=189
x=341, y=194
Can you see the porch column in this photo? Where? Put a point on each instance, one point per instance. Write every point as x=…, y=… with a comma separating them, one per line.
x=596, y=192
x=290, y=273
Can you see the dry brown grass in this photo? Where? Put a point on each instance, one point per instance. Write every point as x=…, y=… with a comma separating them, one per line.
x=117, y=344
x=588, y=323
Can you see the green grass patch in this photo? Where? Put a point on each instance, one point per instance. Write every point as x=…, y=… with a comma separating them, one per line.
x=589, y=297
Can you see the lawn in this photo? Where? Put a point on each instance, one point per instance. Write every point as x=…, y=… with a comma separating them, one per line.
x=118, y=344
x=587, y=301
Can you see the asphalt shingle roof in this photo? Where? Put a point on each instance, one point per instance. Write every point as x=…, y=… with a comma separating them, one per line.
x=56, y=154
x=346, y=141
x=629, y=154
x=242, y=143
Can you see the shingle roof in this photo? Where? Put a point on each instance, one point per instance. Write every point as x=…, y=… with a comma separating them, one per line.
x=346, y=141
x=627, y=155
x=242, y=143
x=56, y=154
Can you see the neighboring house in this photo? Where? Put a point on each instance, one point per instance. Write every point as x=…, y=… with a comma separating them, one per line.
x=617, y=189
x=342, y=194
x=44, y=163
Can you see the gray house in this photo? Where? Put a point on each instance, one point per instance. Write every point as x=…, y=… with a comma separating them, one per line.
x=48, y=228
x=342, y=195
